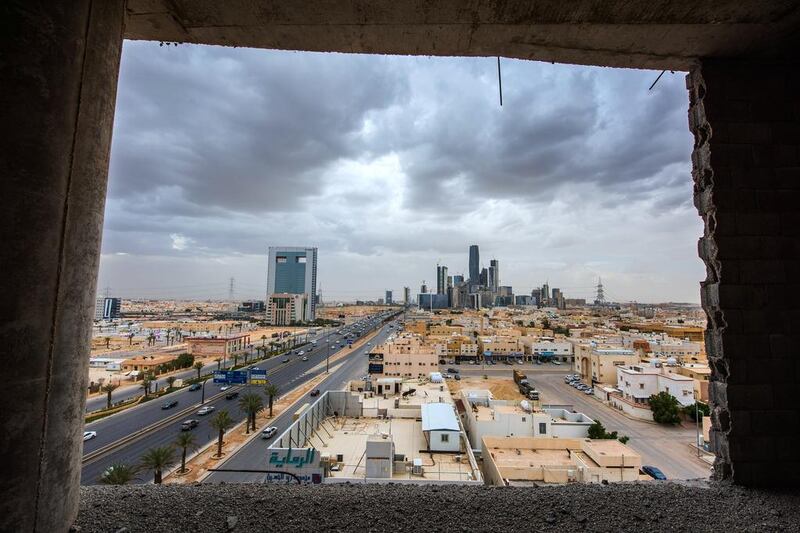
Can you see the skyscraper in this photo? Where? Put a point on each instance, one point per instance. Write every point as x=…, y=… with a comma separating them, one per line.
x=494, y=275
x=293, y=270
x=389, y=300
x=441, y=279
x=474, y=264
x=483, y=279
x=407, y=295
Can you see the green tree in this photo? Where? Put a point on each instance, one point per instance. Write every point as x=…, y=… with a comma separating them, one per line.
x=251, y=404
x=118, y=474
x=697, y=409
x=219, y=362
x=185, y=441
x=108, y=341
x=221, y=422
x=666, y=409
x=545, y=323
x=272, y=392
x=146, y=383
x=171, y=381
x=263, y=339
x=235, y=360
x=108, y=388
x=624, y=439
x=157, y=460
x=598, y=431
x=199, y=367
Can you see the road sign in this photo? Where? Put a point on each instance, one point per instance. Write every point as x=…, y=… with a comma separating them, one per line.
x=258, y=376
x=235, y=377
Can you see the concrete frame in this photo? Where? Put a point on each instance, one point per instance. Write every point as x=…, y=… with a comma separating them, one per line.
x=59, y=75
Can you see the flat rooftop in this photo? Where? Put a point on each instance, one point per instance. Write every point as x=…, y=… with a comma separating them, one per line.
x=425, y=392
x=348, y=437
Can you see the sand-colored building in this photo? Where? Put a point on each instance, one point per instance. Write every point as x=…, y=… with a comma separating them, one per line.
x=147, y=363
x=217, y=346
x=533, y=461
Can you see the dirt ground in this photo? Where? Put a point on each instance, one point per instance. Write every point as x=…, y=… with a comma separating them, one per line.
x=502, y=388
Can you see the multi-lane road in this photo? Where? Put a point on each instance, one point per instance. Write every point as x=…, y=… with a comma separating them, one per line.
x=253, y=455
x=125, y=437
x=667, y=447
x=130, y=391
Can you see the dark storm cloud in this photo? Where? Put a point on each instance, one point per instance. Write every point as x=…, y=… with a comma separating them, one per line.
x=237, y=128
x=396, y=162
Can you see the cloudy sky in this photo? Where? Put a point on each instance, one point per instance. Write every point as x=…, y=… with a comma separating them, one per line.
x=390, y=165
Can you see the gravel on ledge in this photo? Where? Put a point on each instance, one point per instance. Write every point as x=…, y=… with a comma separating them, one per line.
x=648, y=506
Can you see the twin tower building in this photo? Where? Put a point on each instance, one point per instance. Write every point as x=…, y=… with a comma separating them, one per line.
x=291, y=285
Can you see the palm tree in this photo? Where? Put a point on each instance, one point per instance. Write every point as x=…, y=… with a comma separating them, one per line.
x=221, y=422
x=118, y=474
x=185, y=441
x=235, y=359
x=108, y=388
x=171, y=381
x=130, y=339
x=108, y=341
x=252, y=404
x=199, y=367
x=157, y=460
x=219, y=362
x=272, y=392
x=146, y=382
x=263, y=339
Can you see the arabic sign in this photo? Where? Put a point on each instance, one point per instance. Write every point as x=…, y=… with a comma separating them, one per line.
x=291, y=457
x=258, y=376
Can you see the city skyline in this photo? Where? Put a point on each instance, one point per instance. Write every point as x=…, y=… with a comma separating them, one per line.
x=567, y=200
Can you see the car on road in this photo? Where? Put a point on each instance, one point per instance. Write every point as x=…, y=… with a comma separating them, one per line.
x=195, y=386
x=89, y=435
x=301, y=352
x=519, y=361
x=224, y=388
x=557, y=363
x=458, y=377
x=268, y=433
x=304, y=358
x=170, y=404
x=654, y=472
x=205, y=410
x=452, y=370
x=189, y=424
x=285, y=360
x=315, y=392
x=231, y=395
x=507, y=362
x=589, y=391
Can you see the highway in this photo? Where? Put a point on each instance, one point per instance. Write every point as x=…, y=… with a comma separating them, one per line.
x=666, y=447
x=129, y=391
x=112, y=429
x=253, y=455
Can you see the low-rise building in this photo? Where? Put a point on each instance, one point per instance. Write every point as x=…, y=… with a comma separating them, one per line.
x=540, y=461
x=636, y=383
x=412, y=435
x=217, y=347
x=599, y=364
x=536, y=348
x=485, y=416
x=147, y=364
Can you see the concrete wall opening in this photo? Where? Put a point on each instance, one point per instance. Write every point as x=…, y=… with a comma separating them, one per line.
x=61, y=79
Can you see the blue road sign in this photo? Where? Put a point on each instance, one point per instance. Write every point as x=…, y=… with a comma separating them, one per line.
x=258, y=376
x=235, y=377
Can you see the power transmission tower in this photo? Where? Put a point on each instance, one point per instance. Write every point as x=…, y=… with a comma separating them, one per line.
x=230, y=290
x=600, y=299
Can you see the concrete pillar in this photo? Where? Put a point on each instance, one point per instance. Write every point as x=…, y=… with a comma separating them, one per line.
x=746, y=168
x=59, y=70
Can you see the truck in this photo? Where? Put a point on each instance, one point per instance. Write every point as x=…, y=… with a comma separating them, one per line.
x=519, y=376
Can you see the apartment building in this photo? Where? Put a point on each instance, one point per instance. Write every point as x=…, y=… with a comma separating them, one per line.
x=407, y=356
x=535, y=347
x=499, y=347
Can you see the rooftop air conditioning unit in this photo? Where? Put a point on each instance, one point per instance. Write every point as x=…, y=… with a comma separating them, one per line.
x=417, y=469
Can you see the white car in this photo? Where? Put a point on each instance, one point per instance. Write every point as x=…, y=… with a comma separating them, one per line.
x=301, y=352
x=268, y=433
x=89, y=435
x=205, y=410
x=224, y=388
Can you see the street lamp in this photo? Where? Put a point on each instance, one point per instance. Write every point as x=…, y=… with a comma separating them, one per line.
x=203, y=392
